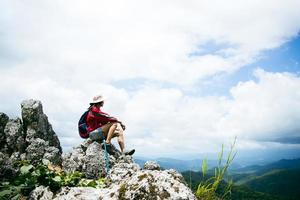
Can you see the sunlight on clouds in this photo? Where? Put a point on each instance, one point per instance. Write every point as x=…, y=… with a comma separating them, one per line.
x=64, y=52
x=152, y=40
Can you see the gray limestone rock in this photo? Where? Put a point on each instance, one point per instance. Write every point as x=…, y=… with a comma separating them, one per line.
x=36, y=150
x=128, y=181
x=94, y=164
x=3, y=120
x=53, y=155
x=151, y=165
x=73, y=161
x=36, y=123
x=6, y=167
x=125, y=168
x=41, y=193
x=88, y=158
x=146, y=184
x=15, y=138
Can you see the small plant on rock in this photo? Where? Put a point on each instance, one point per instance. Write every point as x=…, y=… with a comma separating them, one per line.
x=45, y=174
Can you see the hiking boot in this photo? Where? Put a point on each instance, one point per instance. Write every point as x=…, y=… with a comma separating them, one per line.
x=129, y=152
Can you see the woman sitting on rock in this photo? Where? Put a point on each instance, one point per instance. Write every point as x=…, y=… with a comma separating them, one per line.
x=102, y=126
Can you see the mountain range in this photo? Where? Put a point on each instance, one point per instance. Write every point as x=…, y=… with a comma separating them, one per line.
x=180, y=165
x=275, y=181
x=278, y=180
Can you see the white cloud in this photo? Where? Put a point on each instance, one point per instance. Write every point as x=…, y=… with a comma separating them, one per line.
x=63, y=52
x=265, y=109
x=122, y=40
x=257, y=112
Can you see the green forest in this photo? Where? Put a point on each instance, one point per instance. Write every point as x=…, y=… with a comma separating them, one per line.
x=276, y=181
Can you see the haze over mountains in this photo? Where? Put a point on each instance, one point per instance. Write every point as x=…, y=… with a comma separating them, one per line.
x=241, y=165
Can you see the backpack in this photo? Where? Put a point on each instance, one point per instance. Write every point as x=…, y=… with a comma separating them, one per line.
x=82, y=125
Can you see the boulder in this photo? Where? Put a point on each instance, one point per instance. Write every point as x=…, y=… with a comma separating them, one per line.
x=151, y=165
x=41, y=193
x=88, y=158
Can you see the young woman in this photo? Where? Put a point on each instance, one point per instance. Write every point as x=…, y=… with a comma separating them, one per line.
x=102, y=126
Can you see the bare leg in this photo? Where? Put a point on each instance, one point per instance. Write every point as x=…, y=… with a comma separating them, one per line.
x=121, y=141
x=111, y=132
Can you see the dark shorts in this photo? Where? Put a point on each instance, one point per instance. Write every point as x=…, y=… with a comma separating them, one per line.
x=97, y=135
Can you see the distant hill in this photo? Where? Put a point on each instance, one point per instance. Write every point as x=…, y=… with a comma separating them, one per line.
x=181, y=165
x=261, y=169
x=284, y=183
x=239, y=192
x=275, y=181
x=235, y=168
x=245, y=174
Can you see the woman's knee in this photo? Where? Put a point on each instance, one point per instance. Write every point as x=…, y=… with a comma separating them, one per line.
x=113, y=125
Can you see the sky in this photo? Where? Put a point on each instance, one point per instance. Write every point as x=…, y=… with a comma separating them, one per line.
x=184, y=76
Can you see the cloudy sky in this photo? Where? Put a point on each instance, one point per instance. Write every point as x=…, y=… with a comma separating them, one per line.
x=184, y=76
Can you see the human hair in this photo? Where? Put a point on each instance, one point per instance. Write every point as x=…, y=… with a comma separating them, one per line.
x=96, y=104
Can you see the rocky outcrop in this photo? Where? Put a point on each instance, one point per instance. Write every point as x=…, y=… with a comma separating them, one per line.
x=151, y=165
x=89, y=158
x=128, y=181
x=36, y=125
x=30, y=138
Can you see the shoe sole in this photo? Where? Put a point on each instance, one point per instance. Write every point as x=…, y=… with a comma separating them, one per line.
x=130, y=152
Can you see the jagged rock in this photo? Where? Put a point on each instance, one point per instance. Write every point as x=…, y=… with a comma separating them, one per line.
x=17, y=156
x=14, y=136
x=40, y=137
x=53, y=155
x=73, y=161
x=83, y=193
x=6, y=167
x=89, y=158
x=125, y=168
x=3, y=120
x=147, y=184
x=31, y=138
x=41, y=193
x=151, y=165
x=94, y=164
x=36, y=123
x=128, y=181
x=36, y=150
